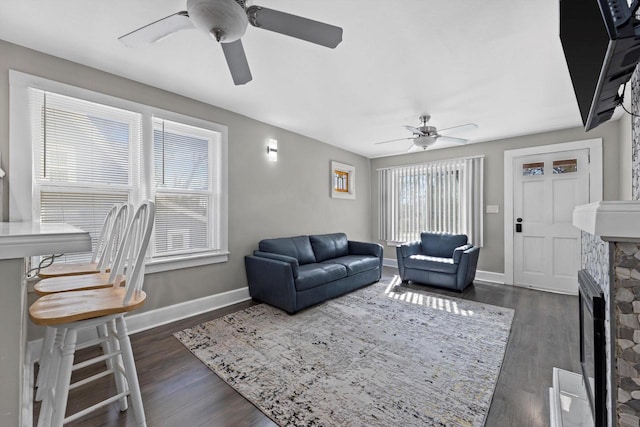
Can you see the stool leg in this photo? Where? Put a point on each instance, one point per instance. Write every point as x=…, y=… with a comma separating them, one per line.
x=49, y=381
x=64, y=378
x=45, y=356
x=116, y=363
x=130, y=370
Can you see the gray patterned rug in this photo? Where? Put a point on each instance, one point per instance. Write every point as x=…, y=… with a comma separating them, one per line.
x=369, y=358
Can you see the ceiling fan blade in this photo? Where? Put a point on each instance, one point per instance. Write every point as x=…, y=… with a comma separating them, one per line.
x=295, y=26
x=237, y=62
x=452, y=139
x=415, y=131
x=157, y=30
x=391, y=140
x=459, y=128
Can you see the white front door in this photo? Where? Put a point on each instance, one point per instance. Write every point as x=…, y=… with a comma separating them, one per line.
x=546, y=245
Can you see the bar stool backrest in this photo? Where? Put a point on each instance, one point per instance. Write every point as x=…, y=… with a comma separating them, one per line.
x=117, y=226
x=129, y=262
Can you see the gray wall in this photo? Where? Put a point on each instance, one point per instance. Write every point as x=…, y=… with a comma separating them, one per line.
x=492, y=254
x=266, y=199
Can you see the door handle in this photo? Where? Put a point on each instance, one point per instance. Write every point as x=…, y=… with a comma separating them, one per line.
x=519, y=225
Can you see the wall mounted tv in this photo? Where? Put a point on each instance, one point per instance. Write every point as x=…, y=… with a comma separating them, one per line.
x=601, y=43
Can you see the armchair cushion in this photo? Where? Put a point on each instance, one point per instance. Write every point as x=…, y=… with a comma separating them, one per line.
x=328, y=246
x=441, y=244
x=312, y=275
x=431, y=263
x=298, y=247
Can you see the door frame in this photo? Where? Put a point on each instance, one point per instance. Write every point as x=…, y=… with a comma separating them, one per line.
x=595, y=186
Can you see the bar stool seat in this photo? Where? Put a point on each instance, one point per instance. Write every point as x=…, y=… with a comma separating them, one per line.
x=67, y=307
x=72, y=283
x=57, y=270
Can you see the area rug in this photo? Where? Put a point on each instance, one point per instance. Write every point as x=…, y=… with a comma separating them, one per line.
x=373, y=357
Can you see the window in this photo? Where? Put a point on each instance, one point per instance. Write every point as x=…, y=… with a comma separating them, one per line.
x=184, y=186
x=441, y=196
x=89, y=151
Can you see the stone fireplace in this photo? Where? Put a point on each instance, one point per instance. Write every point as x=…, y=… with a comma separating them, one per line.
x=611, y=256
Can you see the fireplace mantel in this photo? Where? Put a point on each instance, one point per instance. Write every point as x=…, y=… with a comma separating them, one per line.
x=616, y=221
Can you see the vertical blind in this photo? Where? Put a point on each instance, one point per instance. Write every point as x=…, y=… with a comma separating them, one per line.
x=443, y=196
x=184, y=187
x=83, y=153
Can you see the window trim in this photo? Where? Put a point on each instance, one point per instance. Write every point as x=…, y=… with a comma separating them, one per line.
x=21, y=157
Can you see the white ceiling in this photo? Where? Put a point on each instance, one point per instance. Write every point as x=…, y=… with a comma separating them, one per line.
x=496, y=63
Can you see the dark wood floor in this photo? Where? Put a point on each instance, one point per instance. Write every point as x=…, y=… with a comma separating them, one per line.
x=179, y=390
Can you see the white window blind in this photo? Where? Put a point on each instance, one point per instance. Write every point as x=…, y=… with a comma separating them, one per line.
x=444, y=196
x=84, y=154
x=185, y=187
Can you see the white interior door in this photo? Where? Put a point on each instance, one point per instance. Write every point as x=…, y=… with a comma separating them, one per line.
x=546, y=245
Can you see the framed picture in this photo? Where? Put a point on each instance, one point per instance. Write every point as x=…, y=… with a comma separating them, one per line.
x=343, y=181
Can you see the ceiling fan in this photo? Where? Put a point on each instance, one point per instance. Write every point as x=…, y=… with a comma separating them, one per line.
x=226, y=21
x=425, y=136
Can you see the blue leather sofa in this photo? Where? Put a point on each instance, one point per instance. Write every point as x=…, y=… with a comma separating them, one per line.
x=439, y=259
x=293, y=273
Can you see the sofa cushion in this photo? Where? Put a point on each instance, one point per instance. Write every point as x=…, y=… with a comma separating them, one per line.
x=298, y=247
x=431, y=263
x=441, y=244
x=328, y=246
x=356, y=263
x=312, y=275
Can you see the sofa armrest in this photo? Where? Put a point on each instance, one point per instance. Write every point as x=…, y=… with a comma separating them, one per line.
x=457, y=252
x=408, y=249
x=271, y=281
x=365, y=248
x=467, y=267
x=284, y=258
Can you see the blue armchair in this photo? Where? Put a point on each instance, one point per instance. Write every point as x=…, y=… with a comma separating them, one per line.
x=438, y=259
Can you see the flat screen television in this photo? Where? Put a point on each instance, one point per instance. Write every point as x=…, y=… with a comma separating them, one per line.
x=602, y=47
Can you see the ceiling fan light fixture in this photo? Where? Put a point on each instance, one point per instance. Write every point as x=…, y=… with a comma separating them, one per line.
x=425, y=141
x=224, y=20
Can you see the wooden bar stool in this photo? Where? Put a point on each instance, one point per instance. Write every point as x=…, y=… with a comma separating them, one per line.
x=69, y=312
x=98, y=262
x=110, y=237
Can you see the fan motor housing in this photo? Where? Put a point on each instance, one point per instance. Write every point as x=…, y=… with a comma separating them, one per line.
x=224, y=20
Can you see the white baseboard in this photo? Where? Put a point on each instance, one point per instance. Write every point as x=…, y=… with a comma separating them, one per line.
x=161, y=316
x=483, y=276
x=390, y=262
x=490, y=277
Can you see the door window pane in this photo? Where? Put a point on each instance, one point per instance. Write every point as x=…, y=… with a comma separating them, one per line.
x=565, y=166
x=532, y=169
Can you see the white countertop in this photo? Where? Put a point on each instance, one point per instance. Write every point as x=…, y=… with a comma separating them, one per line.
x=613, y=220
x=21, y=239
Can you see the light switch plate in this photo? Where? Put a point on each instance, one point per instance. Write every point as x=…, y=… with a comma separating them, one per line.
x=493, y=209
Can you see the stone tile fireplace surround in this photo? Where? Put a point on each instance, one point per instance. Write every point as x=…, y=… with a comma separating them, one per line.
x=611, y=255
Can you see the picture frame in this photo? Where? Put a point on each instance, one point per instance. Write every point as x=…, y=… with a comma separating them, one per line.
x=343, y=181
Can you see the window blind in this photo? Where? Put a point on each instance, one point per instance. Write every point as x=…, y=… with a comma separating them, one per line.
x=184, y=187
x=444, y=196
x=83, y=157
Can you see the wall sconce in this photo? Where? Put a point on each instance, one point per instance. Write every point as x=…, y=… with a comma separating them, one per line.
x=272, y=150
